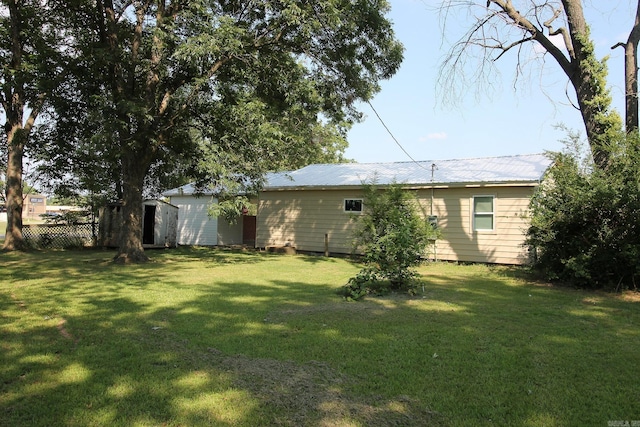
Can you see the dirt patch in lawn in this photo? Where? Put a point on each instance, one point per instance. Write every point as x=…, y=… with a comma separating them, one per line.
x=630, y=296
x=308, y=394
x=313, y=394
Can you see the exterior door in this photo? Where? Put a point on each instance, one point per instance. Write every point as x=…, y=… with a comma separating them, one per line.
x=149, y=224
x=249, y=230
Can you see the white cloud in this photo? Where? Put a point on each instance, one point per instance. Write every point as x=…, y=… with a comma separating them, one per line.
x=435, y=135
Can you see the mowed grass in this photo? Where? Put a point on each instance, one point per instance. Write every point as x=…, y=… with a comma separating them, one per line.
x=202, y=337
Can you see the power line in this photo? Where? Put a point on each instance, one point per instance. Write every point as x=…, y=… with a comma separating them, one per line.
x=394, y=138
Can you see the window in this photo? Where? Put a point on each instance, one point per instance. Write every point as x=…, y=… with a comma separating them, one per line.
x=353, y=205
x=483, y=213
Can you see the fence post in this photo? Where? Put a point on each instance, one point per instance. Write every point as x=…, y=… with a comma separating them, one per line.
x=326, y=244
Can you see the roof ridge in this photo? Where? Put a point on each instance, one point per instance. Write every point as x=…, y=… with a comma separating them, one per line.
x=422, y=161
x=496, y=169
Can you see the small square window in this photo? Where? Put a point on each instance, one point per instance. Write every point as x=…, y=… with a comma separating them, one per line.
x=353, y=205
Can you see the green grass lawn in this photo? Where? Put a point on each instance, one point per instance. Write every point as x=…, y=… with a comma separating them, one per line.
x=220, y=338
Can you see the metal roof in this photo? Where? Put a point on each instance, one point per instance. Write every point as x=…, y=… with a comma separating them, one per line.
x=494, y=170
x=189, y=190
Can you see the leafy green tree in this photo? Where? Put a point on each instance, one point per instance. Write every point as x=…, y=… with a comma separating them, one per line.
x=585, y=226
x=393, y=238
x=220, y=89
x=31, y=54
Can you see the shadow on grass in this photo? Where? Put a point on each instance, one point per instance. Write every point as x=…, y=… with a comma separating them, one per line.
x=99, y=344
x=109, y=349
x=216, y=255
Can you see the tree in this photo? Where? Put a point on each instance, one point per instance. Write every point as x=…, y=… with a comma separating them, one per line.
x=181, y=81
x=393, y=237
x=631, y=74
x=502, y=26
x=29, y=67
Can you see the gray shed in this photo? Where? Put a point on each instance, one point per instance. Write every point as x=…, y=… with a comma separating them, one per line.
x=159, y=224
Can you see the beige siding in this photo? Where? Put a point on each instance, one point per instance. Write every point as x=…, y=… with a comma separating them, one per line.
x=301, y=218
x=459, y=242
x=34, y=206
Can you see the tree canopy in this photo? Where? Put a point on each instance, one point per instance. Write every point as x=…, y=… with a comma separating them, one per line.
x=210, y=89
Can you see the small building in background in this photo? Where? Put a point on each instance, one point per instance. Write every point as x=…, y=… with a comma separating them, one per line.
x=196, y=227
x=34, y=206
x=159, y=224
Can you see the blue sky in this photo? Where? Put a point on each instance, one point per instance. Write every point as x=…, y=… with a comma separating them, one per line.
x=510, y=120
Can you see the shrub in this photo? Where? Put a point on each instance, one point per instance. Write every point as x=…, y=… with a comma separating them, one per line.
x=585, y=226
x=393, y=238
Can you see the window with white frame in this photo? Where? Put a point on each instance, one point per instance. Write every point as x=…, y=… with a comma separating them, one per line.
x=484, y=213
x=353, y=205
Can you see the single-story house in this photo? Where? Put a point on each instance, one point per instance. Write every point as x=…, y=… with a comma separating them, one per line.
x=480, y=205
x=195, y=225
x=159, y=222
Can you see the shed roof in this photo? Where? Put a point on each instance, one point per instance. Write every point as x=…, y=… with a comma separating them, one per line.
x=159, y=202
x=494, y=170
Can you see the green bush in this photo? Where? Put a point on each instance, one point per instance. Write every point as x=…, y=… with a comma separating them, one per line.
x=393, y=238
x=585, y=227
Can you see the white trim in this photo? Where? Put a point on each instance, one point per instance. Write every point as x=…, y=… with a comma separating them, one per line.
x=354, y=199
x=492, y=213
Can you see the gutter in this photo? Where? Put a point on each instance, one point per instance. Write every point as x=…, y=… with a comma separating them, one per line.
x=406, y=186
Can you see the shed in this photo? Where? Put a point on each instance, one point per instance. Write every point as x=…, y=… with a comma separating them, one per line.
x=159, y=224
x=197, y=227
x=480, y=205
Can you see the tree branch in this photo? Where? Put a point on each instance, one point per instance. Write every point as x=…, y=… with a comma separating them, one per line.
x=537, y=35
x=505, y=49
x=35, y=111
x=560, y=31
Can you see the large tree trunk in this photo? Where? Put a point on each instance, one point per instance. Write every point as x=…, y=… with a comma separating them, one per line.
x=13, y=103
x=130, y=248
x=631, y=85
x=14, y=197
x=588, y=78
x=136, y=158
x=541, y=21
x=631, y=75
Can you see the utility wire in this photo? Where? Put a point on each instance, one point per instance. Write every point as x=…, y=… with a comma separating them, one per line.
x=394, y=138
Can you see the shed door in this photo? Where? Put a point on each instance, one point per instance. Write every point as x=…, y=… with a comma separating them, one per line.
x=149, y=224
